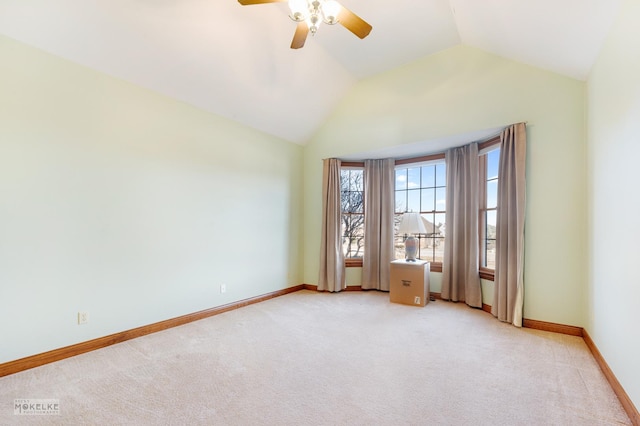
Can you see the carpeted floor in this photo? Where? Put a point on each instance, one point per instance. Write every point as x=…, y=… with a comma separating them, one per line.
x=312, y=358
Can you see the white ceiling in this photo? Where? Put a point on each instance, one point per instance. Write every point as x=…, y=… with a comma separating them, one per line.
x=235, y=60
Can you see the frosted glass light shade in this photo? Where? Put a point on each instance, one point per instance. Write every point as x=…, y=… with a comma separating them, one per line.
x=299, y=10
x=330, y=11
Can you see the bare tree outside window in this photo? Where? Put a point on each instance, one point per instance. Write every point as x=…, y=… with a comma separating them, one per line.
x=352, y=202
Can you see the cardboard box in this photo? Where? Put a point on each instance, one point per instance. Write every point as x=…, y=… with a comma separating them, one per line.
x=409, y=282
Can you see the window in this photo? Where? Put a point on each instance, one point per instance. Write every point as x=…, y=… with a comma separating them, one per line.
x=489, y=208
x=352, y=205
x=422, y=188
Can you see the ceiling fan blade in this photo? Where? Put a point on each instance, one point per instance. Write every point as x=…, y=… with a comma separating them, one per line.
x=250, y=2
x=302, y=30
x=354, y=23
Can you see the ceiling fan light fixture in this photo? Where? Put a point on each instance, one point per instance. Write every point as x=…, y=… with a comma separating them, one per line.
x=330, y=11
x=309, y=14
x=299, y=10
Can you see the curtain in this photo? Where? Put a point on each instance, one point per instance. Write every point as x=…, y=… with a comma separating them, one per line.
x=378, y=223
x=508, y=297
x=460, y=277
x=332, y=272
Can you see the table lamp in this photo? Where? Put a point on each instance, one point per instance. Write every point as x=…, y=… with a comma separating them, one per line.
x=411, y=224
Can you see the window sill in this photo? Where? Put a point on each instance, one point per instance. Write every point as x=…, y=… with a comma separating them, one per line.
x=487, y=274
x=353, y=263
x=357, y=263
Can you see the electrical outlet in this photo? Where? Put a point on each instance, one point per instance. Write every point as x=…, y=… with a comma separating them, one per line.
x=223, y=288
x=83, y=317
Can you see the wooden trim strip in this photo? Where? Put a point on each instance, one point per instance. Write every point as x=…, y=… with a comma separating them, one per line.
x=33, y=361
x=435, y=266
x=553, y=327
x=353, y=262
x=424, y=158
x=626, y=402
x=352, y=164
x=314, y=287
x=488, y=143
x=421, y=159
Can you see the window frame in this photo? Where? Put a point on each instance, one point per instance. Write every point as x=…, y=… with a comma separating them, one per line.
x=483, y=149
x=354, y=262
x=418, y=162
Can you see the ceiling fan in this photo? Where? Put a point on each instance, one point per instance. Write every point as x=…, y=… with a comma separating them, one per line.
x=309, y=14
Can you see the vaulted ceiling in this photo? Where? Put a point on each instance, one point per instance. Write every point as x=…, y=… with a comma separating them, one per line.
x=235, y=60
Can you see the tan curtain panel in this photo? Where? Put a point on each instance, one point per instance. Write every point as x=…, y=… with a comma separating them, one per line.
x=332, y=272
x=378, y=223
x=508, y=297
x=460, y=278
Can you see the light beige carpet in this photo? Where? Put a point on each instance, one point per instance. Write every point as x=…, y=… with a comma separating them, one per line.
x=312, y=358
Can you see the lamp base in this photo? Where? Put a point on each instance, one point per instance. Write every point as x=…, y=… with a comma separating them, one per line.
x=410, y=248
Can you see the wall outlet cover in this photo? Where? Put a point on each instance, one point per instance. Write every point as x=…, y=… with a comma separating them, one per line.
x=83, y=317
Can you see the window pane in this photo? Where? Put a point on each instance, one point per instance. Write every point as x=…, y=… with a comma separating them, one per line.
x=413, y=200
x=397, y=218
x=438, y=233
x=353, y=235
x=426, y=248
x=401, y=201
x=491, y=224
x=489, y=243
x=344, y=179
x=441, y=199
x=398, y=247
x=346, y=184
x=491, y=254
x=427, y=204
x=401, y=179
x=428, y=222
x=413, y=181
x=355, y=202
x=429, y=176
x=492, y=194
x=441, y=174
x=493, y=158
x=439, y=222
x=357, y=180
x=438, y=249
x=345, y=201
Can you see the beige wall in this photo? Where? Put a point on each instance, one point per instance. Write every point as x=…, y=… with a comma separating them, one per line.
x=614, y=203
x=462, y=90
x=129, y=205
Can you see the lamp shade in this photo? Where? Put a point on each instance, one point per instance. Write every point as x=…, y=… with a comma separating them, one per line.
x=412, y=224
